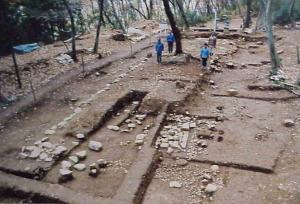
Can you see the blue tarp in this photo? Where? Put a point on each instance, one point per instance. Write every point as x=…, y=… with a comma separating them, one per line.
x=26, y=48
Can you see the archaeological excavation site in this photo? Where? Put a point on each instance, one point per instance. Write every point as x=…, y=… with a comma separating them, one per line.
x=150, y=102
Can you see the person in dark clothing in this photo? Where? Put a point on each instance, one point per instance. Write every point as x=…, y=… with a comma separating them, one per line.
x=204, y=55
x=170, y=40
x=159, y=48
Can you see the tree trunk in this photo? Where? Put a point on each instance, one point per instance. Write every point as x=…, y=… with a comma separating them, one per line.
x=273, y=54
x=181, y=10
x=291, y=13
x=74, y=56
x=17, y=70
x=175, y=30
x=248, y=14
x=117, y=17
x=100, y=5
x=261, y=19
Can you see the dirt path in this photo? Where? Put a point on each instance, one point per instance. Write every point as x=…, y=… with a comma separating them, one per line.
x=59, y=80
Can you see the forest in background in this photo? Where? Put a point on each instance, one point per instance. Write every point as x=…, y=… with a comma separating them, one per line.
x=27, y=21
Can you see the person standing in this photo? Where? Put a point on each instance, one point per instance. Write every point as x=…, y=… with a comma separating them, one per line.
x=159, y=48
x=170, y=40
x=204, y=55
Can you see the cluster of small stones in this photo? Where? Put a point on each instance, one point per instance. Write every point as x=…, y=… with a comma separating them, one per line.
x=130, y=125
x=184, y=133
x=175, y=134
x=201, y=137
x=216, y=64
x=75, y=162
x=42, y=150
x=200, y=184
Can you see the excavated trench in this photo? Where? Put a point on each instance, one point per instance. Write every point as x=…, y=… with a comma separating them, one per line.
x=14, y=195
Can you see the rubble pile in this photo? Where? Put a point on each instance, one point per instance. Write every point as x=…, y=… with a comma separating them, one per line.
x=200, y=185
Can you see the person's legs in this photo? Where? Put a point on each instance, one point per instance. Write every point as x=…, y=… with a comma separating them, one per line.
x=157, y=57
x=171, y=47
x=204, y=62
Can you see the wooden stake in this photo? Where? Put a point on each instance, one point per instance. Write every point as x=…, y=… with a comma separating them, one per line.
x=32, y=89
x=17, y=70
x=298, y=54
x=82, y=62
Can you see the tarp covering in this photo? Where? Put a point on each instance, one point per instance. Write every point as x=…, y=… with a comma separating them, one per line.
x=26, y=48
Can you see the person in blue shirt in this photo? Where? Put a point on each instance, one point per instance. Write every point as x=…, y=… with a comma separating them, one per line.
x=170, y=40
x=159, y=48
x=204, y=54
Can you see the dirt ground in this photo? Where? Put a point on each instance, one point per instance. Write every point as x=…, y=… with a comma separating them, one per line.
x=235, y=144
x=42, y=65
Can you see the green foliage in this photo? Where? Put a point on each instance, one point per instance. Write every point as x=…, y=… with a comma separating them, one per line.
x=281, y=9
x=28, y=21
x=193, y=18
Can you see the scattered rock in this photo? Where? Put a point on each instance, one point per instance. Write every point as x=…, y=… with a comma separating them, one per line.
x=102, y=163
x=279, y=52
x=81, y=155
x=79, y=167
x=288, y=123
x=139, y=140
x=186, y=127
x=65, y=175
x=80, y=136
x=95, y=146
x=214, y=168
x=131, y=125
x=43, y=156
x=47, y=145
x=94, y=172
x=66, y=164
x=175, y=184
x=202, y=143
x=232, y=92
x=44, y=139
x=49, y=132
x=170, y=150
x=230, y=65
x=141, y=117
x=211, y=188
x=35, y=152
x=74, y=159
x=59, y=150
x=113, y=127
x=181, y=162
x=164, y=145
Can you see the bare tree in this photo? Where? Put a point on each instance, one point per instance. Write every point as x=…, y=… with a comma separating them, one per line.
x=247, y=22
x=66, y=3
x=117, y=16
x=174, y=27
x=273, y=54
x=100, y=5
x=291, y=12
x=182, y=13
